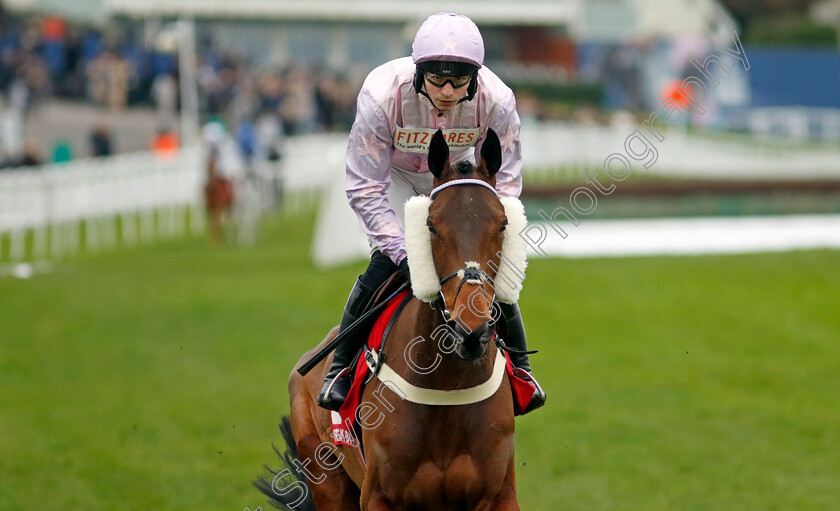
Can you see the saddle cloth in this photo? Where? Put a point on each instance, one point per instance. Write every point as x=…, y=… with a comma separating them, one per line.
x=346, y=430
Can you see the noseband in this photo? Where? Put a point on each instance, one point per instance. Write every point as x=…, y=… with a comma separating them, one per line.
x=472, y=273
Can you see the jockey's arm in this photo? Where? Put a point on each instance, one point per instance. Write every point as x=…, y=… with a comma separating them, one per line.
x=369, y=155
x=506, y=124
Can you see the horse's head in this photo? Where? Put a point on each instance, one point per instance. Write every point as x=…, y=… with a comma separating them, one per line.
x=465, y=225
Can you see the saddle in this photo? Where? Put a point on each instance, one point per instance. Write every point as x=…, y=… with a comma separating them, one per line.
x=385, y=290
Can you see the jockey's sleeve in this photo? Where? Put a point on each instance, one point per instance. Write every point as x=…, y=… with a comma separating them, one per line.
x=369, y=155
x=506, y=125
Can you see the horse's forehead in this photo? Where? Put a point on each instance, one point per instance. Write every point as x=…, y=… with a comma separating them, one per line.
x=461, y=198
x=465, y=169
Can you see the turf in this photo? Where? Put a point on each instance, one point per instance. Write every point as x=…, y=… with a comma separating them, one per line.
x=154, y=378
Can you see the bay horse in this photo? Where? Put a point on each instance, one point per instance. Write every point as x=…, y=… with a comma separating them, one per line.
x=422, y=456
x=218, y=197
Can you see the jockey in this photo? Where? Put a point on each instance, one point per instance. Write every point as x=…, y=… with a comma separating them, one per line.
x=442, y=85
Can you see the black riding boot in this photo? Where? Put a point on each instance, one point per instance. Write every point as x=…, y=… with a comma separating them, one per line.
x=338, y=380
x=516, y=340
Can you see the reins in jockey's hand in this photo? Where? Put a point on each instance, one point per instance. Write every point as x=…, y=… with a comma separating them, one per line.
x=345, y=334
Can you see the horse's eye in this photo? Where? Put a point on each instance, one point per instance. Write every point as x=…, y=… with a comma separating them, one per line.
x=431, y=228
x=504, y=226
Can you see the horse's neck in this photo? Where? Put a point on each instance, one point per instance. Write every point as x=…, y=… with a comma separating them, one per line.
x=425, y=362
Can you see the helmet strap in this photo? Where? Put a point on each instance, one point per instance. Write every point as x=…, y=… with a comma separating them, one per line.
x=418, y=80
x=471, y=88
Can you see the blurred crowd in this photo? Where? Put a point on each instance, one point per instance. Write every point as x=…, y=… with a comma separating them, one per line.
x=48, y=58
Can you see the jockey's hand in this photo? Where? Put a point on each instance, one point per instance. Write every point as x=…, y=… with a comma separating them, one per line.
x=404, y=269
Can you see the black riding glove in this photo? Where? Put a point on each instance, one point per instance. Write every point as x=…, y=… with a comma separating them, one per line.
x=404, y=269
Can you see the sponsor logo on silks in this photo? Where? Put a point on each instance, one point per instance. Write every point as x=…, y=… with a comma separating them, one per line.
x=417, y=140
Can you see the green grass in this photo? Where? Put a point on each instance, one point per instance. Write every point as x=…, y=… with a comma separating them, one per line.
x=154, y=378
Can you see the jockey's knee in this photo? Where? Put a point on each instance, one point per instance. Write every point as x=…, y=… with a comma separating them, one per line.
x=380, y=268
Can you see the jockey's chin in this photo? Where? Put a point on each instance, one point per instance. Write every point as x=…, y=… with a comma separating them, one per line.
x=445, y=105
x=447, y=97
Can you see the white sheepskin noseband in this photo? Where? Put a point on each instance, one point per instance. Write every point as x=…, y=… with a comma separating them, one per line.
x=425, y=282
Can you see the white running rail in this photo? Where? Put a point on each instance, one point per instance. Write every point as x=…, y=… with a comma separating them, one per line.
x=48, y=211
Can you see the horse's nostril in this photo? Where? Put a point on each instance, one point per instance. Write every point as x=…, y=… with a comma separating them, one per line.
x=480, y=335
x=485, y=333
x=471, y=344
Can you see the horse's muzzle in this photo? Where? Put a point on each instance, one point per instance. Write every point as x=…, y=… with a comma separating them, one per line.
x=472, y=345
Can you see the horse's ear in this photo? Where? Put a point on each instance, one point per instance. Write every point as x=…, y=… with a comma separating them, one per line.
x=438, y=154
x=491, y=152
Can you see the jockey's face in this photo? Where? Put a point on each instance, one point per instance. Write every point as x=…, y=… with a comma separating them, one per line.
x=446, y=97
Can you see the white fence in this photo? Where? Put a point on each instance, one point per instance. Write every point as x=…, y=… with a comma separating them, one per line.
x=571, y=149
x=796, y=122
x=310, y=163
x=48, y=211
x=566, y=150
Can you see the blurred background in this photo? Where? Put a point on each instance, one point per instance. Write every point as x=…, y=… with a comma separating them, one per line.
x=174, y=234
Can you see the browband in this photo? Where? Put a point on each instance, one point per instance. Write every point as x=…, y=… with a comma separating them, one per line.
x=463, y=182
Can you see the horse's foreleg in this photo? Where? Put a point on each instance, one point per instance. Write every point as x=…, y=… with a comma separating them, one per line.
x=377, y=502
x=506, y=499
x=215, y=221
x=505, y=502
x=332, y=489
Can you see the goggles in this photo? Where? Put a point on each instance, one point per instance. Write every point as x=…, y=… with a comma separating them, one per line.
x=440, y=81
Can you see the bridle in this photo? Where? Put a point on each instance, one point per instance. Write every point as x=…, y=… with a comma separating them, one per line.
x=472, y=273
x=467, y=275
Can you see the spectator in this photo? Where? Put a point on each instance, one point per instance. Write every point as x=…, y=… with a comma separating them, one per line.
x=107, y=77
x=165, y=143
x=100, y=141
x=165, y=95
x=11, y=133
x=31, y=155
x=62, y=152
x=51, y=56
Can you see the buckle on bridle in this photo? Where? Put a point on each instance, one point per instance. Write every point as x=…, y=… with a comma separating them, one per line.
x=440, y=305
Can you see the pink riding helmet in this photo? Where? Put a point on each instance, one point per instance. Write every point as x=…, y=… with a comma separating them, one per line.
x=448, y=37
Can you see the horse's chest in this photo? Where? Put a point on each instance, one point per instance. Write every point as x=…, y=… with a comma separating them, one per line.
x=460, y=480
x=452, y=483
x=446, y=460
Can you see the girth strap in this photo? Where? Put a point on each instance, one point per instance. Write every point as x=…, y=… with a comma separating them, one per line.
x=435, y=397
